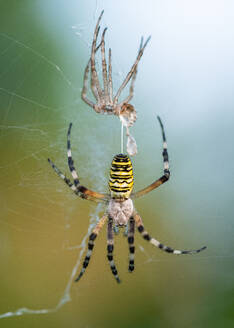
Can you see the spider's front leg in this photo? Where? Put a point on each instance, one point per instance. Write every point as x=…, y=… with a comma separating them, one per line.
x=157, y=243
x=166, y=175
x=85, y=191
x=77, y=188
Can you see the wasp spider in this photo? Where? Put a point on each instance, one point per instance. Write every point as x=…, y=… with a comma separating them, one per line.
x=120, y=209
x=106, y=103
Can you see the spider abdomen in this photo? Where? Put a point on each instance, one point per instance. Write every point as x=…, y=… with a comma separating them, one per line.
x=121, y=177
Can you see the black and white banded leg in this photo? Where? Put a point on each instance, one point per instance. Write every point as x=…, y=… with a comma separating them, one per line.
x=156, y=243
x=92, y=237
x=63, y=177
x=166, y=175
x=131, y=232
x=164, y=153
x=69, y=158
x=78, y=189
x=87, y=193
x=110, y=249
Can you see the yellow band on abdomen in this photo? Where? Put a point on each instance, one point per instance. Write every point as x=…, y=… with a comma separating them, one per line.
x=121, y=177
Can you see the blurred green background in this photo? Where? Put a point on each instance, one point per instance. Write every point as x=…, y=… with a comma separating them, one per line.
x=186, y=76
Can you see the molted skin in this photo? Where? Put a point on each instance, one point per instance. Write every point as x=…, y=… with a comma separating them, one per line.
x=120, y=211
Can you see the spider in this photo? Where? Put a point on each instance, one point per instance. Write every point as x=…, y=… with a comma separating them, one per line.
x=120, y=209
x=106, y=103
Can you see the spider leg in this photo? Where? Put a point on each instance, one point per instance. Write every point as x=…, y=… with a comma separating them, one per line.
x=131, y=232
x=131, y=72
x=69, y=158
x=141, y=43
x=62, y=176
x=110, y=84
x=79, y=187
x=156, y=243
x=131, y=89
x=110, y=248
x=92, y=237
x=85, y=87
x=104, y=67
x=166, y=175
x=72, y=186
x=95, y=85
x=85, y=84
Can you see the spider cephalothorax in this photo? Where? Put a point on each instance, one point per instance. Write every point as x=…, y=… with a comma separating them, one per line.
x=120, y=209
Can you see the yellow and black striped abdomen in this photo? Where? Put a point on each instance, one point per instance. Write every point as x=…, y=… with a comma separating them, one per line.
x=121, y=177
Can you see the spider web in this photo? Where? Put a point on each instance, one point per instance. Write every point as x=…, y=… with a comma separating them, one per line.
x=15, y=52
x=35, y=113
x=38, y=132
x=66, y=297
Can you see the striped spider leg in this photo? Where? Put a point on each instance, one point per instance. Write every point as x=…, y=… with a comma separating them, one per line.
x=105, y=102
x=166, y=174
x=76, y=187
x=131, y=232
x=110, y=248
x=92, y=237
x=157, y=243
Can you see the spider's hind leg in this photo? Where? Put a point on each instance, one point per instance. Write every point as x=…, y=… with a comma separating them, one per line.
x=156, y=243
x=131, y=232
x=110, y=248
x=92, y=237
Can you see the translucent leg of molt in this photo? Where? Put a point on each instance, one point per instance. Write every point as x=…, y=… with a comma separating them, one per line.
x=131, y=142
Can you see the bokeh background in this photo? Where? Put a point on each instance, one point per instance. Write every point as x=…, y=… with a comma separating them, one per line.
x=186, y=76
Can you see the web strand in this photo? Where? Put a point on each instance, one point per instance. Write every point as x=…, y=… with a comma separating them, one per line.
x=66, y=297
